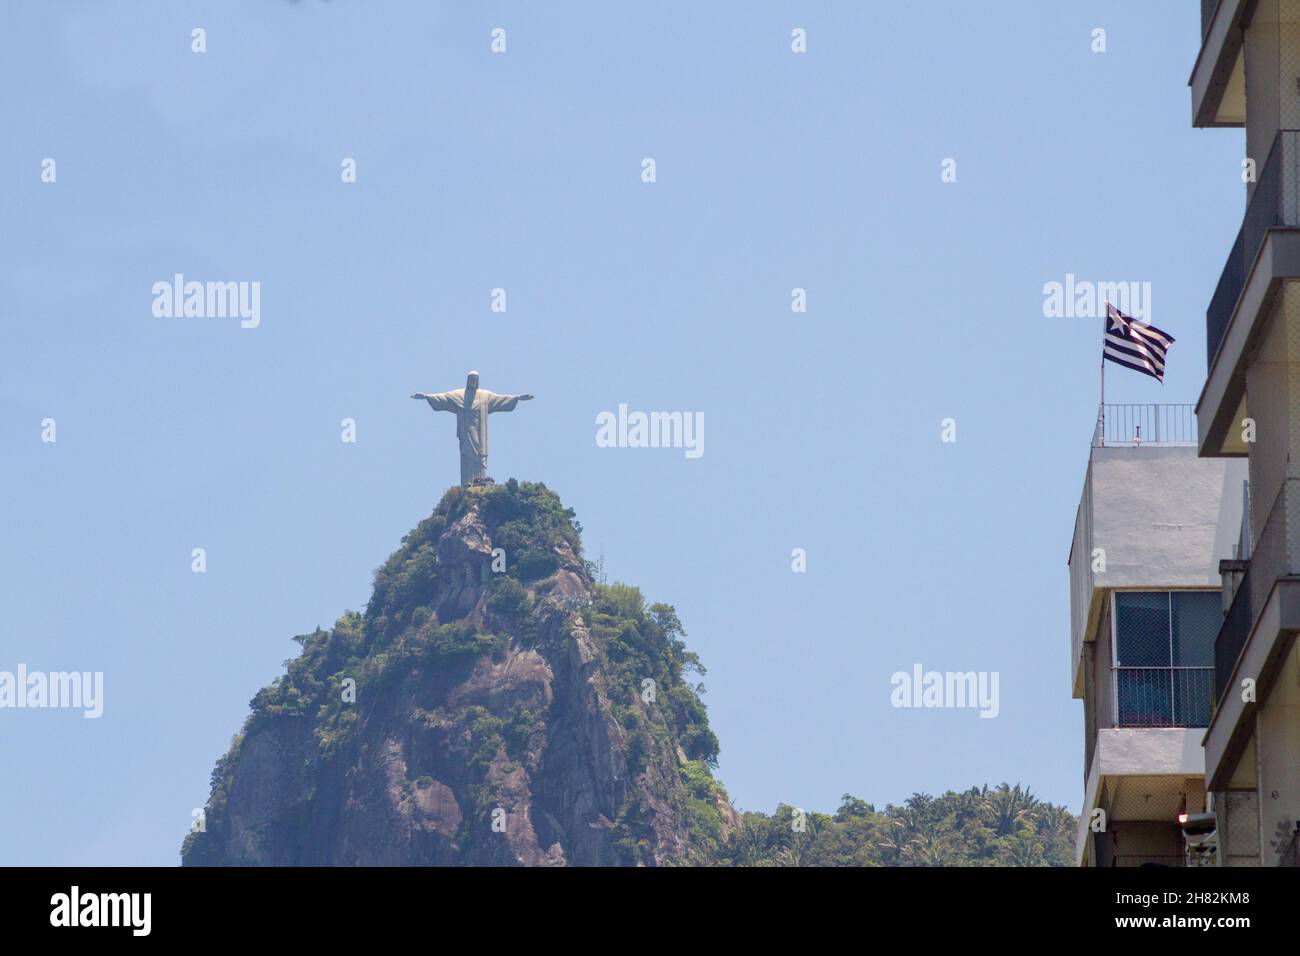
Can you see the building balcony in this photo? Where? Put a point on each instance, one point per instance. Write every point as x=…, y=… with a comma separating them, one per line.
x=1218, y=79
x=1256, y=634
x=1264, y=211
x=1124, y=540
x=1142, y=777
x=1266, y=252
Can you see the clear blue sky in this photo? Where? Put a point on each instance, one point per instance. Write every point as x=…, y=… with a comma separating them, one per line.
x=522, y=171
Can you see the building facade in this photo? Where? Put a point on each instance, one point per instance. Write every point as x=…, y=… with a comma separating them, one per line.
x=1146, y=608
x=1247, y=74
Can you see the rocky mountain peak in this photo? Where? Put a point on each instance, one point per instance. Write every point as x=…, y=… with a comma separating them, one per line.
x=494, y=705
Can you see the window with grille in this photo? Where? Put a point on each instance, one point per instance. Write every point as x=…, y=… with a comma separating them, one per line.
x=1162, y=657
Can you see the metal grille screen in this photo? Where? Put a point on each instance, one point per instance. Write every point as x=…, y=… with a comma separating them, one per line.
x=1197, y=617
x=1164, y=657
x=1239, y=819
x=1142, y=629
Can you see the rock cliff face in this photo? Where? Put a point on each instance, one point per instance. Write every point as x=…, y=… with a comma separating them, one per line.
x=493, y=706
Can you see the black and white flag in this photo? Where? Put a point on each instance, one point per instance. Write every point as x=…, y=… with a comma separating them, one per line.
x=1134, y=345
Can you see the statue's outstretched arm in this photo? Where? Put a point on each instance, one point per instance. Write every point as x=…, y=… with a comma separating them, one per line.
x=506, y=403
x=441, y=401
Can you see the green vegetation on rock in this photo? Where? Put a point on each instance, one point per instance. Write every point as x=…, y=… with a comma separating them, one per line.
x=491, y=675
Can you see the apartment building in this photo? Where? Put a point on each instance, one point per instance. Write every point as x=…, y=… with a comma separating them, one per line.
x=1247, y=75
x=1146, y=604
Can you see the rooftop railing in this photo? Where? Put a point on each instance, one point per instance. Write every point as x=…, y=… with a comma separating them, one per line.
x=1134, y=425
x=1267, y=208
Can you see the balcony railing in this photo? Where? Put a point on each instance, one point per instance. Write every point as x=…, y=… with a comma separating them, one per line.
x=1232, y=636
x=1207, y=16
x=1267, y=208
x=1231, y=281
x=1134, y=425
x=1276, y=550
x=1163, y=696
x=1274, y=554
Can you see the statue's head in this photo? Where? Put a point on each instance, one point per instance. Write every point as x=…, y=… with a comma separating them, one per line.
x=471, y=382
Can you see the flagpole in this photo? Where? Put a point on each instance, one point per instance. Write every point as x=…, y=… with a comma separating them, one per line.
x=1101, y=411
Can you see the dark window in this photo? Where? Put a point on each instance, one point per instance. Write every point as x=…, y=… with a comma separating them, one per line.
x=1197, y=617
x=1164, y=657
x=1142, y=629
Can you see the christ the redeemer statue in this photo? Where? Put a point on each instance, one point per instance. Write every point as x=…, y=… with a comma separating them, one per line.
x=472, y=405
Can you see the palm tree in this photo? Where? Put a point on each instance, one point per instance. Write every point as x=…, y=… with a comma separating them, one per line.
x=749, y=846
x=1025, y=850
x=798, y=852
x=1008, y=807
x=897, y=838
x=917, y=802
x=929, y=849
x=1054, y=821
